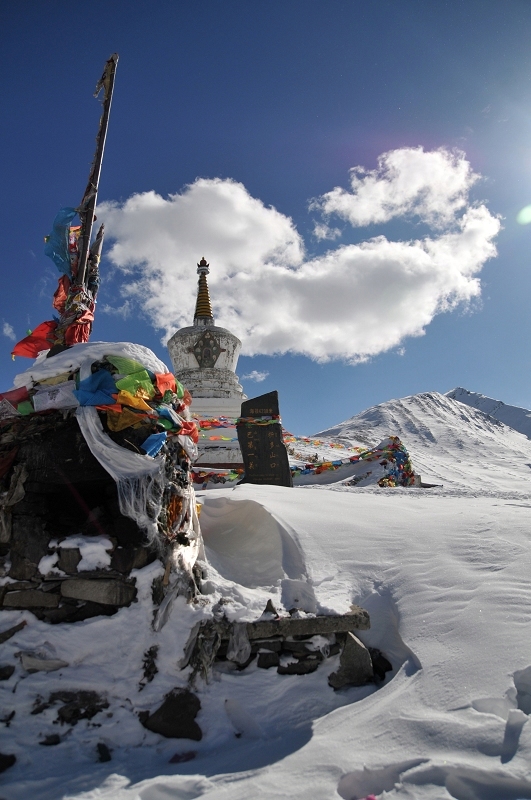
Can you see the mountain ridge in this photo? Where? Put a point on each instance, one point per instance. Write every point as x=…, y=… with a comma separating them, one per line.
x=446, y=440
x=514, y=416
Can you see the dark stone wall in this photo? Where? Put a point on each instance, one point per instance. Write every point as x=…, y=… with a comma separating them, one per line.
x=64, y=491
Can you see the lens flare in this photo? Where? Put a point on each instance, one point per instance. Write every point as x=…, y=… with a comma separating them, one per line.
x=524, y=216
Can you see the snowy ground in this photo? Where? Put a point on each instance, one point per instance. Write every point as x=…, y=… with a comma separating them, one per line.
x=444, y=574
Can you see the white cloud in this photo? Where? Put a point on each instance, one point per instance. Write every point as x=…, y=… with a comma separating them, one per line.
x=123, y=311
x=409, y=181
x=323, y=231
x=256, y=376
x=352, y=302
x=8, y=331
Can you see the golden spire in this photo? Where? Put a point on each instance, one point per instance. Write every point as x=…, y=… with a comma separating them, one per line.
x=203, y=307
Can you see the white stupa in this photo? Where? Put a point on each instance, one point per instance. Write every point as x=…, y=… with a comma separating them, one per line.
x=204, y=359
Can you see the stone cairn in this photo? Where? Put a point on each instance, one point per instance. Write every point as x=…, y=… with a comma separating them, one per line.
x=55, y=488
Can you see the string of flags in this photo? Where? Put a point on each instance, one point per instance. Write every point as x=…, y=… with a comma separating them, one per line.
x=391, y=454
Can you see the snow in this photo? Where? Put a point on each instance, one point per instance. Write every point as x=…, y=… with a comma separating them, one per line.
x=81, y=356
x=93, y=550
x=515, y=417
x=444, y=573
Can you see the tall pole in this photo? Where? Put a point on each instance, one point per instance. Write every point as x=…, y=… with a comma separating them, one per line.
x=88, y=204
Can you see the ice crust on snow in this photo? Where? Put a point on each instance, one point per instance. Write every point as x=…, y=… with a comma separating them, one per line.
x=444, y=575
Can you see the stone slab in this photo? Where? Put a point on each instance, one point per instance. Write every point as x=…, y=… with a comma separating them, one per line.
x=107, y=592
x=30, y=598
x=264, y=453
x=309, y=626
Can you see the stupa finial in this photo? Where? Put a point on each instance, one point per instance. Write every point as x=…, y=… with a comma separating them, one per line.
x=203, y=307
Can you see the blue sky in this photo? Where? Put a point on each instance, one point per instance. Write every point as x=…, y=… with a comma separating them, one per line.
x=269, y=105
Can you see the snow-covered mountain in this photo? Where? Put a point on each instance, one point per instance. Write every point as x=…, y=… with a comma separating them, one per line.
x=515, y=417
x=449, y=443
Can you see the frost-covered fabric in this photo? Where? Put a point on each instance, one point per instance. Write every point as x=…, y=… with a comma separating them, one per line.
x=82, y=356
x=139, y=478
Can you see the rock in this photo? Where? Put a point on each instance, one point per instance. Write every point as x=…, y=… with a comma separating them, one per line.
x=125, y=559
x=29, y=543
x=83, y=704
x=355, y=665
x=6, y=761
x=6, y=671
x=108, y=592
x=69, y=558
x=175, y=719
x=36, y=662
x=380, y=664
x=30, y=598
x=149, y=665
x=104, y=754
x=125, y=530
x=303, y=667
x=244, y=664
x=180, y=758
x=75, y=613
x=51, y=739
x=297, y=648
x=5, y=635
x=273, y=645
x=267, y=660
x=48, y=585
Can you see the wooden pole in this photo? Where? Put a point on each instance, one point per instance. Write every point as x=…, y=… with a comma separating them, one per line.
x=88, y=204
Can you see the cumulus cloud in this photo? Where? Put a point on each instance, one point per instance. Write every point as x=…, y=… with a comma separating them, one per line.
x=8, y=331
x=256, y=376
x=350, y=303
x=408, y=182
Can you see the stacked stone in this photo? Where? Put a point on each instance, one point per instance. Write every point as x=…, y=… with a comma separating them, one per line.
x=295, y=645
x=56, y=488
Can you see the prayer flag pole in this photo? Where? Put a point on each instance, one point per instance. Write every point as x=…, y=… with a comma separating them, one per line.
x=88, y=203
x=76, y=259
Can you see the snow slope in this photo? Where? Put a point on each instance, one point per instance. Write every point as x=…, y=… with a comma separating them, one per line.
x=449, y=443
x=444, y=574
x=515, y=417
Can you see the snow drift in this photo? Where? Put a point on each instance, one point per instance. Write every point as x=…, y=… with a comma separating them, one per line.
x=444, y=574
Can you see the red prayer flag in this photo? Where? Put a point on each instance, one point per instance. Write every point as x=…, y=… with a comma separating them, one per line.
x=41, y=339
x=190, y=429
x=15, y=396
x=61, y=293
